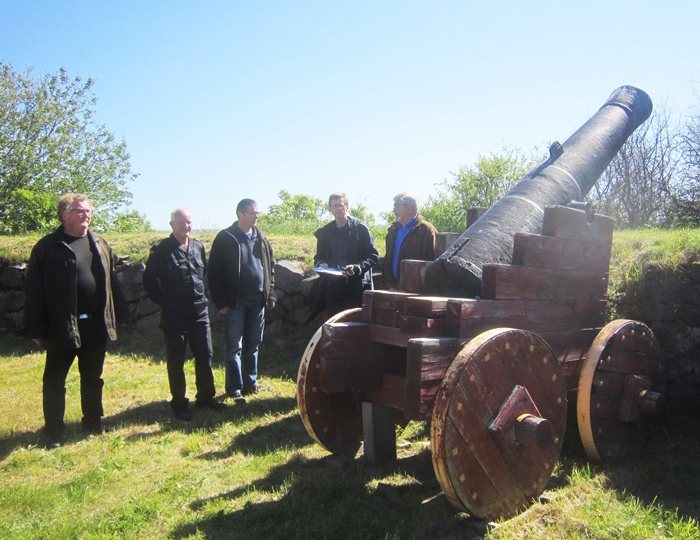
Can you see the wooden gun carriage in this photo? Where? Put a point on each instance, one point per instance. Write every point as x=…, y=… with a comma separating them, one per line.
x=497, y=373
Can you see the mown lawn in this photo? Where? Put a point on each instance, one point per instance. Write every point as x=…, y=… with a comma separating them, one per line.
x=254, y=472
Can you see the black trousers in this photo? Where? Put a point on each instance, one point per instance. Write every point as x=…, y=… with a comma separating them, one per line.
x=91, y=359
x=343, y=293
x=198, y=335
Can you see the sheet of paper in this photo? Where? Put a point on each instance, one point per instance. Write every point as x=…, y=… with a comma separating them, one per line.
x=329, y=271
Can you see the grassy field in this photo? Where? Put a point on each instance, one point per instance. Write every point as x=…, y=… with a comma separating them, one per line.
x=253, y=471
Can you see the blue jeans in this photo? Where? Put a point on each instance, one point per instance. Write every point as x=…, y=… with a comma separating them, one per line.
x=243, y=333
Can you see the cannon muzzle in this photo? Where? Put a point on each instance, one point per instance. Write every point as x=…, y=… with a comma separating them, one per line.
x=568, y=175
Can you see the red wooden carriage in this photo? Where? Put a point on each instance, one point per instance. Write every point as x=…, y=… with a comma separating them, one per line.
x=495, y=375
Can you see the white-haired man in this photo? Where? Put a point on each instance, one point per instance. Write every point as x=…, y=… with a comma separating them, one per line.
x=409, y=237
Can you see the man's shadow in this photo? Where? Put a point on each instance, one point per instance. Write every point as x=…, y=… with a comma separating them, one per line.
x=287, y=430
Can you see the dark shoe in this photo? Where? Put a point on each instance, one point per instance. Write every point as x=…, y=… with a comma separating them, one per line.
x=211, y=404
x=237, y=397
x=253, y=390
x=51, y=441
x=98, y=428
x=183, y=413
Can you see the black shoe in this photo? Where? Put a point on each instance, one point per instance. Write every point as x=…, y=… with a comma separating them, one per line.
x=253, y=390
x=98, y=428
x=212, y=404
x=183, y=413
x=52, y=441
x=237, y=397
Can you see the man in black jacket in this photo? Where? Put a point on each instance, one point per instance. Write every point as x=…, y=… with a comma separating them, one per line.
x=346, y=245
x=72, y=303
x=174, y=279
x=242, y=282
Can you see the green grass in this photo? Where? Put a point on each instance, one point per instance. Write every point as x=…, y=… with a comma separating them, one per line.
x=254, y=472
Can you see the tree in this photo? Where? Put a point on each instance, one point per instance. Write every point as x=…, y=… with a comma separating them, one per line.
x=50, y=144
x=640, y=187
x=298, y=208
x=687, y=203
x=131, y=222
x=481, y=185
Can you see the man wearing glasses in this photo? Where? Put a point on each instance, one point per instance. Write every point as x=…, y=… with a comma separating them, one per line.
x=72, y=303
x=347, y=246
x=241, y=283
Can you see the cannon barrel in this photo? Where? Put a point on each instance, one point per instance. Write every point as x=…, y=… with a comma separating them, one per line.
x=569, y=173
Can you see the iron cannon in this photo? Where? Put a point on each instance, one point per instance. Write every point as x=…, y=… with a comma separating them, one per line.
x=568, y=175
x=498, y=375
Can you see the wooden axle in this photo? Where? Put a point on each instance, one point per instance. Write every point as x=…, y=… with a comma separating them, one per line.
x=533, y=431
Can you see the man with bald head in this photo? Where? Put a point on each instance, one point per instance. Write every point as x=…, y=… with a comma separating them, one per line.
x=174, y=279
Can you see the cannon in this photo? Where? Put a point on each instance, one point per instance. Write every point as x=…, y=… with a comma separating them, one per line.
x=498, y=350
x=568, y=175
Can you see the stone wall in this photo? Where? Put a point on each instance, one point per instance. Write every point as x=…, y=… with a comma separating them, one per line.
x=292, y=292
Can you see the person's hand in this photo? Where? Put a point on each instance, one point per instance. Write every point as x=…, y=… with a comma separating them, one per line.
x=224, y=310
x=350, y=270
x=271, y=302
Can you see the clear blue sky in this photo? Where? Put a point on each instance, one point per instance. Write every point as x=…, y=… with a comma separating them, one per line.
x=221, y=100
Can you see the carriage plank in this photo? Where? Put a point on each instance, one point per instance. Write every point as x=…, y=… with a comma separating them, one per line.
x=550, y=252
x=358, y=374
x=504, y=282
x=574, y=224
x=426, y=306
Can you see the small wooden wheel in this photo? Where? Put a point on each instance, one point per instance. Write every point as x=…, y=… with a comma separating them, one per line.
x=498, y=423
x=619, y=390
x=333, y=420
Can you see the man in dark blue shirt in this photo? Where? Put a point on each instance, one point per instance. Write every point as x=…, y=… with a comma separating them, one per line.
x=242, y=284
x=174, y=279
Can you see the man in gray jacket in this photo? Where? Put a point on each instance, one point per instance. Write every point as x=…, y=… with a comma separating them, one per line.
x=72, y=303
x=241, y=284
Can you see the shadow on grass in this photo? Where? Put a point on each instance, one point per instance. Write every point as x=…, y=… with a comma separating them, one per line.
x=287, y=430
x=318, y=498
x=665, y=475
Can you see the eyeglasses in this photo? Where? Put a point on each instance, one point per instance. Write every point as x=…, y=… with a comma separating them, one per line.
x=82, y=211
x=341, y=205
x=256, y=214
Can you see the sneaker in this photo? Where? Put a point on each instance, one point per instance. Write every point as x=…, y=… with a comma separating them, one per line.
x=237, y=397
x=212, y=404
x=183, y=413
x=98, y=428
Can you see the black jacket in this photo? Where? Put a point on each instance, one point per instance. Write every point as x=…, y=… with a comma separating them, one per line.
x=225, y=267
x=51, y=292
x=174, y=279
x=362, y=248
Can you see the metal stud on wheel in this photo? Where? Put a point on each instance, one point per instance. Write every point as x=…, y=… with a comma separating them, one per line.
x=619, y=390
x=333, y=420
x=498, y=423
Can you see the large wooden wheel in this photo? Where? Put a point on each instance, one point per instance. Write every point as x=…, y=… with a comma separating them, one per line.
x=333, y=420
x=498, y=423
x=619, y=391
